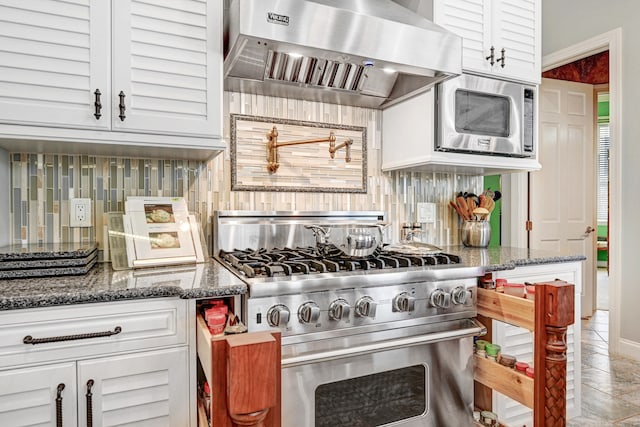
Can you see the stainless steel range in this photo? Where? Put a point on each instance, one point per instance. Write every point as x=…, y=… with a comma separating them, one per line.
x=379, y=340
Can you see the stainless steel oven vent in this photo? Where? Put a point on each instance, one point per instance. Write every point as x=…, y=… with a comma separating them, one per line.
x=370, y=53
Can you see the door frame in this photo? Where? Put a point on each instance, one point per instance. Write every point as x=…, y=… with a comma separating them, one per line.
x=515, y=185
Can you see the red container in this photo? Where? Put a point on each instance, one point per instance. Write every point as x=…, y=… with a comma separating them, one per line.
x=217, y=322
x=521, y=366
x=529, y=372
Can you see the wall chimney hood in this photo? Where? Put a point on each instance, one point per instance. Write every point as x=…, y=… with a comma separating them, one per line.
x=369, y=53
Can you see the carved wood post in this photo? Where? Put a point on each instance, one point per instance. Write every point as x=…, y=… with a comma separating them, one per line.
x=554, y=313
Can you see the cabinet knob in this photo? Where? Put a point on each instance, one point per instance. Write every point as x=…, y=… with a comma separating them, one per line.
x=59, y=405
x=121, y=106
x=89, y=397
x=501, y=59
x=97, y=104
x=491, y=58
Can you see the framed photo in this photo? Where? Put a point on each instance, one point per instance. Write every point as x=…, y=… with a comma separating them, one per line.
x=161, y=231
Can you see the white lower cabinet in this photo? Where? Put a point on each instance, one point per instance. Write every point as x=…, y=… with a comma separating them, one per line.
x=143, y=389
x=30, y=396
x=84, y=380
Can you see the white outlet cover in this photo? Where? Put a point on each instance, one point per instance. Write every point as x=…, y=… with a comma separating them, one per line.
x=80, y=213
x=426, y=212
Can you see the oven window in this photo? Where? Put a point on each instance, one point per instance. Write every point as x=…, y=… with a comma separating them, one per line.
x=373, y=400
x=482, y=113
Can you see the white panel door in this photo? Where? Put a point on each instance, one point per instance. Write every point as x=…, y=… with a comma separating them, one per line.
x=53, y=57
x=470, y=19
x=562, y=194
x=167, y=58
x=516, y=29
x=142, y=389
x=28, y=396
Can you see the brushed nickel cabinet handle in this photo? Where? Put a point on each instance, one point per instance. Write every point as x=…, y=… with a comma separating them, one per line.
x=89, y=397
x=59, y=405
x=97, y=104
x=122, y=106
x=31, y=340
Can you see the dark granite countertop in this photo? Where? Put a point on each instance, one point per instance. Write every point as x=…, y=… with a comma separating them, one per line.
x=506, y=258
x=103, y=284
x=207, y=280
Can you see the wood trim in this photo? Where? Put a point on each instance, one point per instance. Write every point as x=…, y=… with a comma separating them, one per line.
x=554, y=313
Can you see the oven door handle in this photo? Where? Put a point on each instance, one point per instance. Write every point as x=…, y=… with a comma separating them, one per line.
x=478, y=329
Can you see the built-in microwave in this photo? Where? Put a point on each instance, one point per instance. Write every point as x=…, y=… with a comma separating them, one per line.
x=482, y=115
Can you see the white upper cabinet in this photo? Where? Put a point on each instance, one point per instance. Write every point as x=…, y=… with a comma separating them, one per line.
x=53, y=56
x=136, y=77
x=164, y=65
x=510, y=27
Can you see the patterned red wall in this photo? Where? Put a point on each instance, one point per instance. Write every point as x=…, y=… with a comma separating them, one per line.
x=592, y=69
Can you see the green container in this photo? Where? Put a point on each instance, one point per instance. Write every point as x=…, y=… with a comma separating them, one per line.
x=492, y=349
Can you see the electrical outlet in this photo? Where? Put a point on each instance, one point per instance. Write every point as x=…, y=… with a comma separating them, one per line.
x=426, y=212
x=80, y=213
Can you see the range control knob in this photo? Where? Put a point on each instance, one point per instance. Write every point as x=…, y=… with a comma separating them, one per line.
x=278, y=316
x=440, y=298
x=366, y=307
x=309, y=313
x=339, y=310
x=459, y=295
x=404, y=302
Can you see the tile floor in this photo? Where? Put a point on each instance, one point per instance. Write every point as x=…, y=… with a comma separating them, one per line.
x=610, y=384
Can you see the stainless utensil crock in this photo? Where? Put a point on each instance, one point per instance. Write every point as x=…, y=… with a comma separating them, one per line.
x=475, y=234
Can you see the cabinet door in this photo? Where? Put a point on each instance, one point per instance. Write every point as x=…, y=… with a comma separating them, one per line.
x=28, y=396
x=142, y=389
x=53, y=56
x=516, y=28
x=471, y=20
x=167, y=58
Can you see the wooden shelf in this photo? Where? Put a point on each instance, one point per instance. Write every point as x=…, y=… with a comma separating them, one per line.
x=505, y=380
x=507, y=308
x=202, y=415
x=548, y=317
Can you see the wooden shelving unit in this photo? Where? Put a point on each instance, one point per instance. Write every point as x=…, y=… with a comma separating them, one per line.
x=548, y=318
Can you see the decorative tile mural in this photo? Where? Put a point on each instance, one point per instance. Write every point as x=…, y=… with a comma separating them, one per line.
x=272, y=154
x=42, y=184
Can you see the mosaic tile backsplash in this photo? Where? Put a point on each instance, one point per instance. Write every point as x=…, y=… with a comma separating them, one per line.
x=42, y=184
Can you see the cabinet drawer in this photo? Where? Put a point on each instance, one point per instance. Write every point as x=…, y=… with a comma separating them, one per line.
x=70, y=332
x=232, y=365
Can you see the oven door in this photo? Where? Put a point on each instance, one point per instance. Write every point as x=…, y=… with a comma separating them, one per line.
x=414, y=376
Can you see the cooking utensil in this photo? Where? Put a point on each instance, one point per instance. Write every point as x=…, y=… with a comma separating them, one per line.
x=354, y=240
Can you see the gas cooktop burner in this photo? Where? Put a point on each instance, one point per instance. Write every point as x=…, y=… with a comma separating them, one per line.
x=310, y=260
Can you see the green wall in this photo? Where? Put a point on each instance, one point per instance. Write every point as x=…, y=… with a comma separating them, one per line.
x=493, y=183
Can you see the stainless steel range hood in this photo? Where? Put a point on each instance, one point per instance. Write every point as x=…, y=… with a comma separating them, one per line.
x=369, y=53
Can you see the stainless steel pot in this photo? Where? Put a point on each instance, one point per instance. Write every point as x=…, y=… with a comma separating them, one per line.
x=354, y=240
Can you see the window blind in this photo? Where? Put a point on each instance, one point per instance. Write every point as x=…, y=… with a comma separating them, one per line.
x=603, y=173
